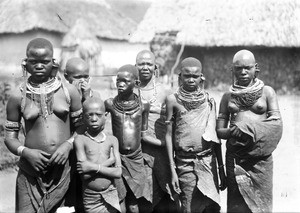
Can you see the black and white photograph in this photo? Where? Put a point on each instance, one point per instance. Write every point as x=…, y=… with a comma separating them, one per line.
x=149, y=106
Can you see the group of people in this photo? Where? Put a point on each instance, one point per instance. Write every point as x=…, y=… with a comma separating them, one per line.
x=164, y=153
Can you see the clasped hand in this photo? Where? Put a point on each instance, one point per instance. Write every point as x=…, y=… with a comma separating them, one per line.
x=85, y=166
x=40, y=160
x=235, y=132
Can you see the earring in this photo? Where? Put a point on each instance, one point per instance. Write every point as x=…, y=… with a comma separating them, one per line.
x=23, y=65
x=137, y=82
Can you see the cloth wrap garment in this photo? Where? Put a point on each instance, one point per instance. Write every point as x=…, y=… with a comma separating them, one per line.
x=41, y=192
x=249, y=165
x=155, y=155
x=195, y=160
x=135, y=171
x=103, y=201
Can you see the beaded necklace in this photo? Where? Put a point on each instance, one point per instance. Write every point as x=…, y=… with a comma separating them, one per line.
x=191, y=100
x=42, y=94
x=154, y=95
x=128, y=107
x=95, y=138
x=245, y=97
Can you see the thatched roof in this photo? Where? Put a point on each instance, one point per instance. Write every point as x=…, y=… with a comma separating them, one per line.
x=81, y=36
x=212, y=23
x=17, y=16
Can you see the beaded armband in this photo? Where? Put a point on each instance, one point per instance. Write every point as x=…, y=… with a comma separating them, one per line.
x=76, y=117
x=12, y=126
x=168, y=122
x=273, y=113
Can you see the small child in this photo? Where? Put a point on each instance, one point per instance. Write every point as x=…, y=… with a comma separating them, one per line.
x=98, y=160
x=77, y=72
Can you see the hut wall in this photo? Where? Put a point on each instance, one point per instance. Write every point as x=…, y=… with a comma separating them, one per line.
x=279, y=67
x=115, y=53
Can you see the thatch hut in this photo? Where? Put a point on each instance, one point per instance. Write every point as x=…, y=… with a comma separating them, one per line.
x=81, y=42
x=214, y=30
x=23, y=20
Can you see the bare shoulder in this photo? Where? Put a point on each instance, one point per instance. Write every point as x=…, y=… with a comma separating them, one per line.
x=164, y=89
x=79, y=141
x=16, y=95
x=108, y=104
x=112, y=139
x=226, y=97
x=268, y=91
x=71, y=88
x=15, y=99
x=171, y=99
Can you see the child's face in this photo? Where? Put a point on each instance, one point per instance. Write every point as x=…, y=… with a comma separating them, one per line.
x=78, y=73
x=125, y=82
x=94, y=117
x=190, y=78
x=39, y=64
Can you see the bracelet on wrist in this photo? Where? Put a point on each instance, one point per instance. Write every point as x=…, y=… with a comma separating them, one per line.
x=99, y=167
x=20, y=150
x=70, y=140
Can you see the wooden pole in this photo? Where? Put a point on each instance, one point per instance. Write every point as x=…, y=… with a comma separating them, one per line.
x=176, y=64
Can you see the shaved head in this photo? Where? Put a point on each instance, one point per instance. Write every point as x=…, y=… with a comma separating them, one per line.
x=243, y=58
x=190, y=62
x=76, y=66
x=39, y=43
x=145, y=54
x=93, y=100
x=131, y=69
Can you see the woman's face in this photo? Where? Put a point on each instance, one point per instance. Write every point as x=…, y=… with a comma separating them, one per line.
x=244, y=74
x=39, y=64
x=244, y=68
x=146, y=66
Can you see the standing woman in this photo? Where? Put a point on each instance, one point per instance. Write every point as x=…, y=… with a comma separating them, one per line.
x=253, y=133
x=49, y=110
x=153, y=142
x=193, y=148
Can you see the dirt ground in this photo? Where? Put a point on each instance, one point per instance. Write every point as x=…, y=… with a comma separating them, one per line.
x=286, y=190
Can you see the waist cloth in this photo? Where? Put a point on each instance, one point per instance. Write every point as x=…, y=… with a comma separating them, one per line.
x=137, y=174
x=195, y=135
x=155, y=155
x=204, y=167
x=103, y=201
x=43, y=190
x=249, y=165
